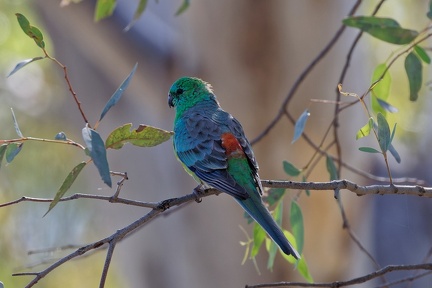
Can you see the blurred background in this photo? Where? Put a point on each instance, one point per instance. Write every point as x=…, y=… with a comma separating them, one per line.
x=251, y=52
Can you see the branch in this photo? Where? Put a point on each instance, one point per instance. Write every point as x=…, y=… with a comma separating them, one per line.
x=363, y=279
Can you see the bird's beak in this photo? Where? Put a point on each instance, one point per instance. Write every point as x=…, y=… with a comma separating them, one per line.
x=170, y=102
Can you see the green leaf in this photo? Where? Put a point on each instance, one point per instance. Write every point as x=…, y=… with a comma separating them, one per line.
x=277, y=214
x=331, y=168
x=422, y=54
x=143, y=136
x=303, y=270
x=297, y=226
x=17, y=129
x=259, y=236
x=31, y=31
x=183, y=7
x=104, y=8
x=413, y=69
x=97, y=150
x=382, y=89
x=300, y=125
x=292, y=240
x=67, y=183
x=12, y=151
x=2, y=152
x=393, y=133
x=274, y=195
x=138, y=12
x=22, y=64
x=383, y=133
x=394, y=153
x=307, y=190
x=369, y=150
x=118, y=93
x=385, y=29
x=365, y=130
x=290, y=169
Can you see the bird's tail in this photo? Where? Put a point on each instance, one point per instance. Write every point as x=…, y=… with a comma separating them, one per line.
x=256, y=209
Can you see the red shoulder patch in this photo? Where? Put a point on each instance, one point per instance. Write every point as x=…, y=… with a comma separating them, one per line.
x=231, y=145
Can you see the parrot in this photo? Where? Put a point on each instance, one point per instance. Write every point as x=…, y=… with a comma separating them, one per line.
x=211, y=145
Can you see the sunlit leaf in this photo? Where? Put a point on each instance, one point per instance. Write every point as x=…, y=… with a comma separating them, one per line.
x=118, y=93
x=422, y=54
x=17, y=129
x=413, y=69
x=259, y=236
x=292, y=240
x=300, y=125
x=290, y=169
x=67, y=183
x=381, y=90
x=331, y=168
x=273, y=249
x=143, y=136
x=97, y=150
x=365, y=130
x=369, y=150
x=104, y=8
x=297, y=227
x=385, y=29
x=383, y=133
x=183, y=7
x=303, y=270
x=22, y=64
x=12, y=151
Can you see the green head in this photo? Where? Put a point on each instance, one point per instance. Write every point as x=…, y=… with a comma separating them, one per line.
x=186, y=92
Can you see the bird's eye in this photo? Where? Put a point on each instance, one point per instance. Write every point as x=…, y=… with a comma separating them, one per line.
x=179, y=91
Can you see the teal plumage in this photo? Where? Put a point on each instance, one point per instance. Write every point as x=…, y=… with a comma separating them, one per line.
x=213, y=148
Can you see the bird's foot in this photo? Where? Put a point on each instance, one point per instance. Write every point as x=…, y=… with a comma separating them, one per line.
x=197, y=191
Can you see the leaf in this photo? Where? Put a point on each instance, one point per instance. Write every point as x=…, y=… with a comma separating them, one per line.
x=422, y=54
x=138, y=12
x=17, y=129
x=385, y=29
x=331, y=168
x=31, y=31
x=383, y=133
x=12, y=151
x=300, y=125
x=277, y=214
x=259, y=236
x=118, y=93
x=274, y=195
x=382, y=89
x=413, y=69
x=387, y=106
x=303, y=269
x=104, y=8
x=22, y=64
x=292, y=240
x=307, y=190
x=143, y=136
x=2, y=152
x=394, y=153
x=365, y=130
x=393, y=133
x=183, y=7
x=369, y=150
x=97, y=150
x=67, y=183
x=290, y=169
x=297, y=226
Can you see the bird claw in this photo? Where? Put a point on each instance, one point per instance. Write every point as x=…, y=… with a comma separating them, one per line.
x=197, y=191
